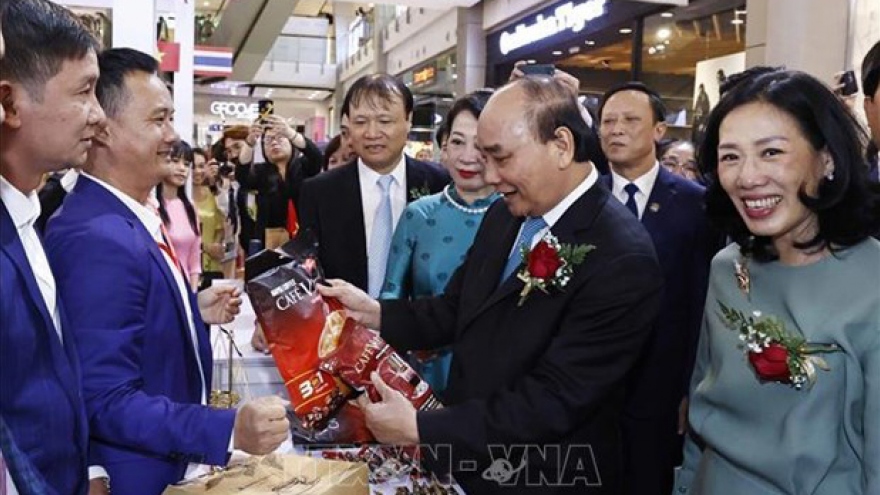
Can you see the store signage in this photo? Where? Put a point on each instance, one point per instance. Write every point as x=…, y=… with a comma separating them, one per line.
x=567, y=17
x=425, y=75
x=236, y=109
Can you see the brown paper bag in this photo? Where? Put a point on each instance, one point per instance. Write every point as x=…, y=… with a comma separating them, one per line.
x=281, y=474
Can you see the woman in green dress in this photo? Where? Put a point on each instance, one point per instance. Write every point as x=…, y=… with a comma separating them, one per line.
x=785, y=396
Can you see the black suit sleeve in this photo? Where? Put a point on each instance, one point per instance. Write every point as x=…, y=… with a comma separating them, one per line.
x=307, y=209
x=305, y=166
x=599, y=338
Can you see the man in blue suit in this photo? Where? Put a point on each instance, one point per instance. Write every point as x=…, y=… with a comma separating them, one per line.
x=47, y=91
x=143, y=343
x=631, y=121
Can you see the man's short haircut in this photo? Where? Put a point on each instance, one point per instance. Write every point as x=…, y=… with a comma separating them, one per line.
x=657, y=106
x=382, y=87
x=550, y=105
x=871, y=70
x=236, y=132
x=115, y=64
x=40, y=36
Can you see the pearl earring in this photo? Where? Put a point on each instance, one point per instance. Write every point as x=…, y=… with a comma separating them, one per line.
x=830, y=175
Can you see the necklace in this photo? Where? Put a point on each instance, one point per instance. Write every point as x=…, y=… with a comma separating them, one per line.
x=465, y=209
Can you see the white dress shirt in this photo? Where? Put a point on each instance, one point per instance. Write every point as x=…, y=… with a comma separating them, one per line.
x=645, y=183
x=371, y=193
x=24, y=211
x=555, y=213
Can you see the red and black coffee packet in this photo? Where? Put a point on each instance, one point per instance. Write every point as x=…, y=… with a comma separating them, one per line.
x=324, y=358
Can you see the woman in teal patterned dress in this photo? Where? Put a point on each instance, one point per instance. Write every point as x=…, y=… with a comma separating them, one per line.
x=435, y=232
x=785, y=396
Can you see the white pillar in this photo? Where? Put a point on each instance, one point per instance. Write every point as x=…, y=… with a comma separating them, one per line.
x=184, y=34
x=805, y=35
x=134, y=25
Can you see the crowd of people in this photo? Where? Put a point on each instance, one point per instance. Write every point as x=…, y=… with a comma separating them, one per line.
x=604, y=310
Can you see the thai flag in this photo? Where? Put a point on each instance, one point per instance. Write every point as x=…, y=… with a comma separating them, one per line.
x=212, y=61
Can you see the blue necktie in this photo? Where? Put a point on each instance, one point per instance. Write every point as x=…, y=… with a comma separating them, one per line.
x=530, y=227
x=631, y=189
x=380, y=238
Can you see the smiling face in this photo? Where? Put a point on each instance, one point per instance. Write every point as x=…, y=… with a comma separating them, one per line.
x=462, y=159
x=378, y=130
x=57, y=122
x=143, y=132
x=764, y=160
x=179, y=173
x=521, y=168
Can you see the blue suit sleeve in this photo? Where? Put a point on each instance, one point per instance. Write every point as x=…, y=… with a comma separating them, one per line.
x=104, y=277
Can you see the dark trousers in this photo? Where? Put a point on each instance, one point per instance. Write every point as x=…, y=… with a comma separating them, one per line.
x=652, y=450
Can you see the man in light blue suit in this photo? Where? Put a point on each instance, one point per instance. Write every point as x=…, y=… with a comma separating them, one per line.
x=143, y=343
x=47, y=91
x=670, y=207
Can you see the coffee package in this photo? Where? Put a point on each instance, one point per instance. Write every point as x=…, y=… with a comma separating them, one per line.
x=324, y=358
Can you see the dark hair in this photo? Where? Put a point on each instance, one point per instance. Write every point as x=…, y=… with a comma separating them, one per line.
x=201, y=152
x=657, y=106
x=40, y=35
x=218, y=151
x=847, y=208
x=381, y=86
x=236, y=132
x=441, y=134
x=737, y=77
x=180, y=149
x=116, y=63
x=871, y=70
x=473, y=103
x=332, y=147
x=549, y=106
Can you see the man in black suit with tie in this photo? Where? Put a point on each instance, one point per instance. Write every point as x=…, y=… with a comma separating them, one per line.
x=353, y=209
x=536, y=384
x=631, y=121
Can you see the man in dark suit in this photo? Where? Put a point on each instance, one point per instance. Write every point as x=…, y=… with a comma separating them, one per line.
x=350, y=210
x=631, y=121
x=47, y=92
x=143, y=344
x=536, y=383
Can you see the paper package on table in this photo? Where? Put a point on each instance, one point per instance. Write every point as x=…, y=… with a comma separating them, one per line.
x=324, y=357
x=281, y=474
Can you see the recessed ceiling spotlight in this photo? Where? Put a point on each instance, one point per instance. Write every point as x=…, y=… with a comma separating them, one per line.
x=737, y=21
x=667, y=14
x=651, y=50
x=625, y=31
x=574, y=49
x=532, y=61
x=590, y=42
x=664, y=33
x=557, y=52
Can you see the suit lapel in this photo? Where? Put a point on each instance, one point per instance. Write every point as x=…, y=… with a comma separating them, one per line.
x=568, y=230
x=353, y=215
x=660, y=200
x=501, y=239
x=416, y=181
x=63, y=356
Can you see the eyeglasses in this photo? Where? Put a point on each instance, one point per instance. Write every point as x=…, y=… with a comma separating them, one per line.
x=277, y=138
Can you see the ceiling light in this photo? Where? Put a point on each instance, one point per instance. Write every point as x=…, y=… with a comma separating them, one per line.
x=590, y=42
x=737, y=21
x=651, y=50
x=660, y=48
x=625, y=30
x=557, y=52
x=667, y=14
x=666, y=42
x=532, y=61
x=206, y=3
x=740, y=12
x=663, y=33
x=574, y=49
